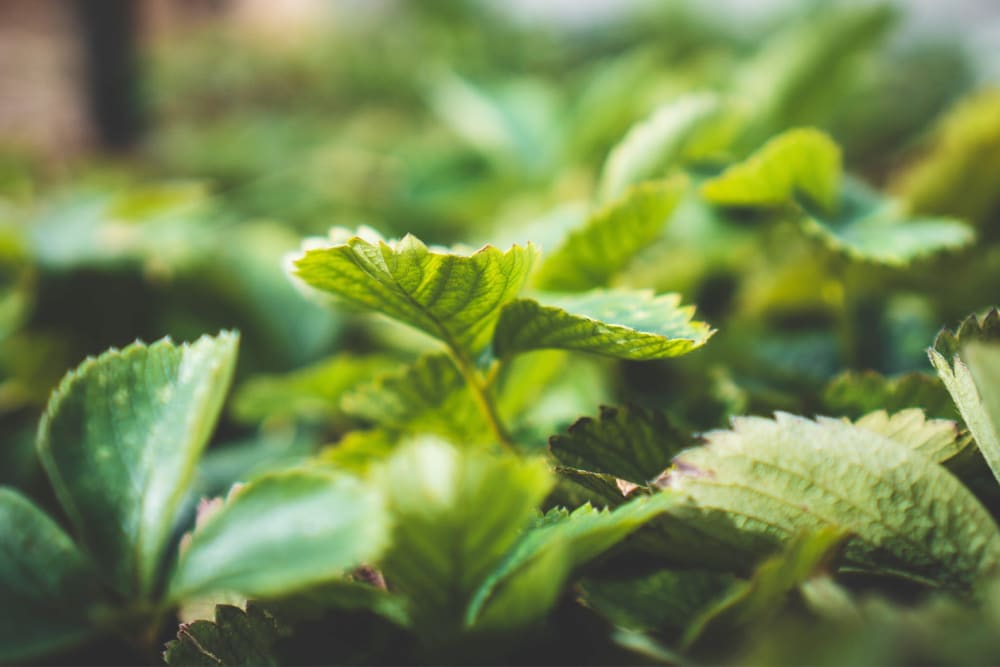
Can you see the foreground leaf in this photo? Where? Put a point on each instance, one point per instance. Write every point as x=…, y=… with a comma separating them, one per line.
x=120, y=440
x=594, y=253
x=280, y=533
x=947, y=357
x=624, y=324
x=453, y=297
x=800, y=162
x=456, y=513
x=235, y=639
x=527, y=583
x=774, y=478
x=940, y=440
x=633, y=444
x=46, y=584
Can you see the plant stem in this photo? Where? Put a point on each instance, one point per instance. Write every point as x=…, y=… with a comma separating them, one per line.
x=481, y=393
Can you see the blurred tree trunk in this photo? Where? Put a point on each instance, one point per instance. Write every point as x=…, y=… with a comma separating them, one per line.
x=109, y=35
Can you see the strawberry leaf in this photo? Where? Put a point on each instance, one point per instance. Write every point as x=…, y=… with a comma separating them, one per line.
x=591, y=255
x=120, y=440
x=907, y=516
x=46, y=584
x=454, y=297
x=624, y=324
x=280, y=533
x=234, y=639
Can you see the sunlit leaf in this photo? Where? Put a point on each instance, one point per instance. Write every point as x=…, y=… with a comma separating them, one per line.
x=625, y=324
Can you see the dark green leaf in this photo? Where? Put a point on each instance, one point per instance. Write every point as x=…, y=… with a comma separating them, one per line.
x=120, y=440
x=235, y=639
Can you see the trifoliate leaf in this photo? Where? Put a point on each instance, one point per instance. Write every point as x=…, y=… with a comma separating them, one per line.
x=428, y=396
x=940, y=440
x=624, y=324
x=774, y=478
x=46, y=584
x=633, y=444
x=235, y=639
x=120, y=440
x=312, y=393
x=752, y=601
x=798, y=163
x=658, y=142
x=455, y=298
x=868, y=227
x=948, y=358
x=663, y=600
x=456, y=514
x=958, y=174
x=506, y=600
x=856, y=393
x=280, y=533
x=591, y=255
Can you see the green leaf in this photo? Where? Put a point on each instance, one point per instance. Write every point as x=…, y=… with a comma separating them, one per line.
x=455, y=298
x=525, y=586
x=752, y=601
x=591, y=255
x=940, y=440
x=120, y=440
x=282, y=532
x=359, y=450
x=456, y=514
x=312, y=393
x=633, y=444
x=802, y=162
x=856, y=393
x=966, y=386
x=774, y=478
x=871, y=228
x=660, y=141
x=624, y=324
x=662, y=600
x=46, y=584
x=235, y=639
x=428, y=396
x=957, y=174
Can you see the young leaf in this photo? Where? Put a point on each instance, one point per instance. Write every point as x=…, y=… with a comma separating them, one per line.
x=120, y=440
x=591, y=255
x=235, y=639
x=624, y=324
x=576, y=537
x=657, y=143
x=964, y=385
x=774, y=478
x=800, y=162
x=751, y=601
x=427, y=396
x=455, y=298
x=633, y=444
x=456, y=514
x=311, y=393
x=282, y=532
x=856, y=393
x=46, y=584
x=871, y=228
x=940, y=440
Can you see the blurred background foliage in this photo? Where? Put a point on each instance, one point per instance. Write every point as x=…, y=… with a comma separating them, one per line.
x=468, y=122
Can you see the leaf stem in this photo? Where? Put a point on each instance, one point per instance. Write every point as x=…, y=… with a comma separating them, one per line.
x=481, y=394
